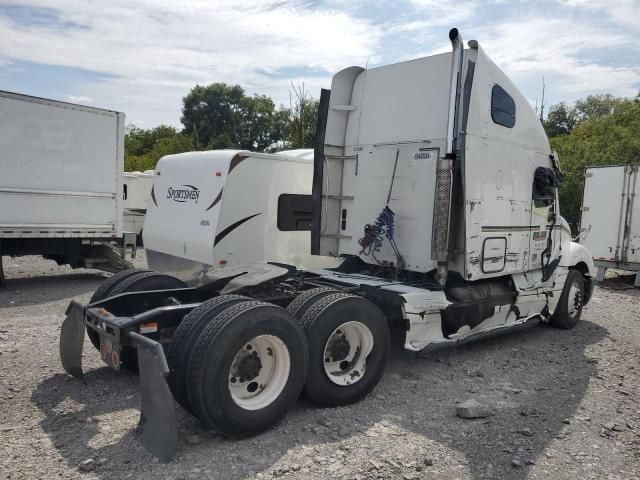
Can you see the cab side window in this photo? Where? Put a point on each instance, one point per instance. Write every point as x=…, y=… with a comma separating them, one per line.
x=503, y=107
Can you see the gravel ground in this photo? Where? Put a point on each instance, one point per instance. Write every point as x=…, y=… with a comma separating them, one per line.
x=566, y=405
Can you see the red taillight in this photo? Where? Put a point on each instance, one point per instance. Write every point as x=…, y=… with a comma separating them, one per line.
x=115, y=359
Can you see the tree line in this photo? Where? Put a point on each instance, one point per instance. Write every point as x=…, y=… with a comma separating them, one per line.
x=596, y=130
x=219, y=116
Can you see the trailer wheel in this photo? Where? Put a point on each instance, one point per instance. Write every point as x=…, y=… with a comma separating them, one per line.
x=569, y=308
x=185, y=337
x=104, y=291
x=247, y=368
x=302, y=302
x=349, y=340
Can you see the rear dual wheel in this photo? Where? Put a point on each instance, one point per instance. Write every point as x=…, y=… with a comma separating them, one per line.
x=186, y=336
x=241, y=366
x=348, y=340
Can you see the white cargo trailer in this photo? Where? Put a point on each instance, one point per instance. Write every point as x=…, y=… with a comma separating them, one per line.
x=61, y=181
x=610, y=221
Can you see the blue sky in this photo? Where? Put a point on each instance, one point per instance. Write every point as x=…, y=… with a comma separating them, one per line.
x=143, y=56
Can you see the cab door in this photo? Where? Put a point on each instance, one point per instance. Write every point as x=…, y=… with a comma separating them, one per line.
x=544, y=242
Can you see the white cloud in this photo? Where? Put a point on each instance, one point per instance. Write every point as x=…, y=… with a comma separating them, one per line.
x=563, y=55
x=159, y=49
x=79, y=99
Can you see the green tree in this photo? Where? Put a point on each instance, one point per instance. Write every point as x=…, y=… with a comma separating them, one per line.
x=303, y=117
x=296, y=125
x=144, y=147
x=222, y=116
x=603, y=139
x=560, y=120
x=595, y=106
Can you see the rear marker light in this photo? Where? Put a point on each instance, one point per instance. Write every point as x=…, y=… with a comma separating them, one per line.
x=222, y=262
x=149, y=327
x=218, y=174
x=115, y=360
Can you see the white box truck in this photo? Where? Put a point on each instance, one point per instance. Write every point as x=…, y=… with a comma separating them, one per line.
x=61, y=182
x=610, y=221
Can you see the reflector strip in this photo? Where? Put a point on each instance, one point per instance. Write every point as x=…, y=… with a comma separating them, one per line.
x=151, y=327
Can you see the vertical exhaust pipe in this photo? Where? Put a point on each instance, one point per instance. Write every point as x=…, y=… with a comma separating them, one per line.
x=444, y=174
x=454, y=89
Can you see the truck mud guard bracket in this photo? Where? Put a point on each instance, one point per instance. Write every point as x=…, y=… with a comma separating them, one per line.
x=158, y=426
x=157, y=429
x=72, y=339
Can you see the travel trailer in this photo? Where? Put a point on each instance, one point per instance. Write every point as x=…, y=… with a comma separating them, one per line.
x=433, y=181
x=228, y=207
x=136, y=189
x=608, y=226
x=61, y=182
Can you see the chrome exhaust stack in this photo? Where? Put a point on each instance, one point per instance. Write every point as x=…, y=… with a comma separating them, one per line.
x=444, y=175
x=454, y=89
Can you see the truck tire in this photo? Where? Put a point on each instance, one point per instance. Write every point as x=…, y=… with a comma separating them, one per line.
x=302, y=302
x=569, y=308
x=349, y=343
x=104, y=291
x=105, y=287
x=247, y=369
x=136, y=282
x=184, y=339
x=147, y=281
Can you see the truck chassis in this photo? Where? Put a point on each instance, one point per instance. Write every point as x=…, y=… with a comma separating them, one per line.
x=150, y=322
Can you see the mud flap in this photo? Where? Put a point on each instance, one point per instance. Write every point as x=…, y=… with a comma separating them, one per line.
x=158, y=426
x=72, y=339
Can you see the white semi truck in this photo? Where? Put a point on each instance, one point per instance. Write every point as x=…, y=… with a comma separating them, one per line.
x=435, y=184
x=610, y=220
x=61, y=182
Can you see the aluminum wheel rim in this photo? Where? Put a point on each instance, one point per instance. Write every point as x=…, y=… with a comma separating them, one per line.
x=346, y=352
x=259, y=372
x=574, y=300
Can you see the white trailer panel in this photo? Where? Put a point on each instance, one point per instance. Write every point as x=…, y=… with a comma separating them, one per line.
x=136, y=191
x=610, y=220
x=61, y=169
